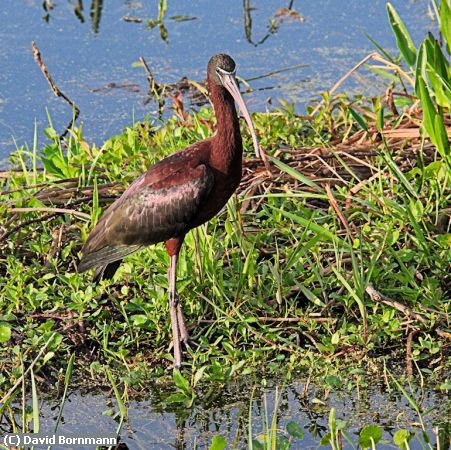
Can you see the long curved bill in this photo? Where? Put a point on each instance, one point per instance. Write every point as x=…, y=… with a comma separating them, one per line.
x=230, y=83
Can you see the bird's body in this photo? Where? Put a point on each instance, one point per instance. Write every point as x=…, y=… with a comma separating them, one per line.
x=177, y=194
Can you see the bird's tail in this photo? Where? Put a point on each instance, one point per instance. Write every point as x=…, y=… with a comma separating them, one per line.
x=103, y=258
x=106, y=272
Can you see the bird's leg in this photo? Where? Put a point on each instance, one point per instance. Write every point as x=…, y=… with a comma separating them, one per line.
x=184, y=336
x=173, y=308
x=183, y=332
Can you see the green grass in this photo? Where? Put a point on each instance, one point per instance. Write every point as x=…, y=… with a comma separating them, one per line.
x=300, y=253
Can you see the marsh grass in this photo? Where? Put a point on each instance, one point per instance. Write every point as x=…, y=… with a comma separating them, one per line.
x=279, y=279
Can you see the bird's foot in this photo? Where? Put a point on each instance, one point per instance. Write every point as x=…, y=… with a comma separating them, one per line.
x=175, y=333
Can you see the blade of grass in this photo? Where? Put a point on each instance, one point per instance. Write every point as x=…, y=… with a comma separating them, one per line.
x=67, y=378
x=19, y=381
x=122, y=408
x=35, y=401
x=312, y=226
x=295, y=174
x=354, y=295
x=403, y=39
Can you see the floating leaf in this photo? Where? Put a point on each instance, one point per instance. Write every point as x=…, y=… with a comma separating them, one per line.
x=282, y=443
x=371, y=434
x=402, y=438
x=218, y=443
x=295, y=430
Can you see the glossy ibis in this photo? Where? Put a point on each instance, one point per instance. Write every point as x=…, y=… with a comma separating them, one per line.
x=177, y=194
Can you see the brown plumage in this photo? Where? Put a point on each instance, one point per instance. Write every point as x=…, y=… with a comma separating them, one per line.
x=179, y=193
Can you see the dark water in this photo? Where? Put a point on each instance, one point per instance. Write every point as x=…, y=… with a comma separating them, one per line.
x=153, y=425
x=87, y=46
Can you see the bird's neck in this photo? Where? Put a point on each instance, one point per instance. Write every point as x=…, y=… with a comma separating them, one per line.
x=227, y=144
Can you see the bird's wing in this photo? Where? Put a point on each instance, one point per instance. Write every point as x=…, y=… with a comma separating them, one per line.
x=156, y=207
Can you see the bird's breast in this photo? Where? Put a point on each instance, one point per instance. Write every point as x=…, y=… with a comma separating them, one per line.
x=225, y=184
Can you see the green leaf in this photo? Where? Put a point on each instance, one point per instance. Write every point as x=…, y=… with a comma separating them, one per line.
x=295, y=174
x=358, y=119
x=335, y=338
x=257, y=445
x=282, y=443
x=445, y=23
x=326, y=439
x=333, y=381
x=182, y=18
x=5, y=333
x=435, y=68
x=198, y=375
x=181, y=382
x=70, y=368
x=51, y=133
x=162, y=8
x=122, y=408
x=352, y=291
x=398, y=173
x=442, y=143
x=324, y=232
x=295, y=430
x=176, y=398
x=48, y=356
x=382, y=51
x=369, y=435
x=35, y=401
x=432, y=121
x=401, y=438
x=139, y=320
x=403, y=39
x=340, y=424
x=380, y=118
x=218, y=443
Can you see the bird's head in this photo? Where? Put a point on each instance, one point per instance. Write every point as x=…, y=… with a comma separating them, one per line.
x=221, y=72
x=219, y=65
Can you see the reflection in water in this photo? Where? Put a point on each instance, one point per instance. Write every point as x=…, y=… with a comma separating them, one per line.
x=47, y=5
x=78, y=10
x=246, y=407
x=247, y=10
x=274, y=22
x=95, y=12
x=80, y=59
